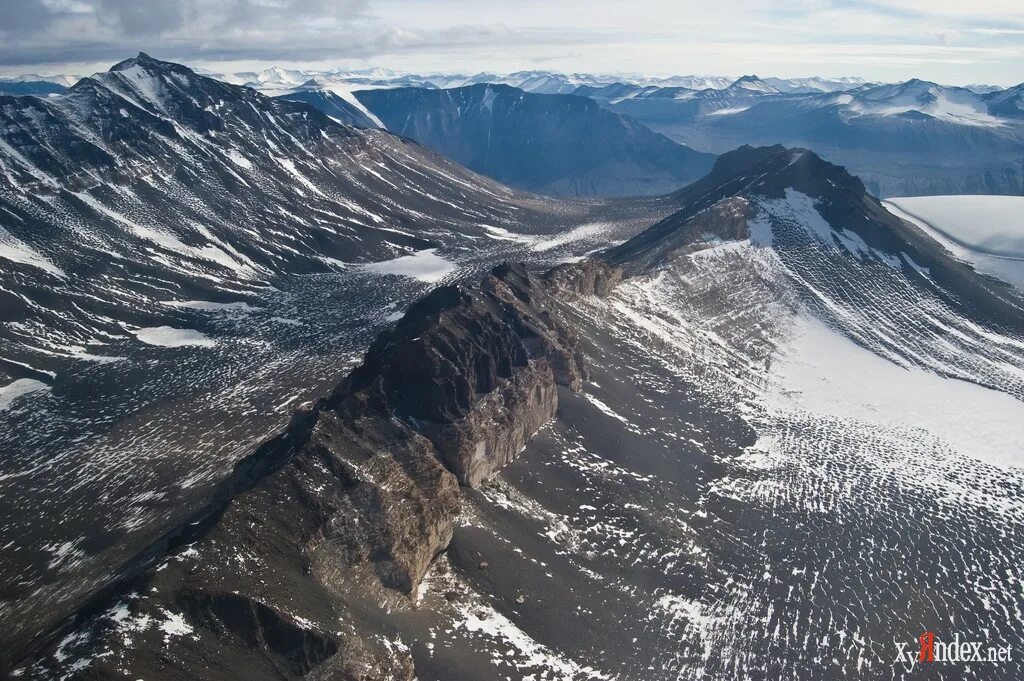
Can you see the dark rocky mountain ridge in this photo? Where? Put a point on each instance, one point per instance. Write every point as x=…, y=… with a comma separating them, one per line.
x=333, y=105
x=38, y=88
x=718, y=204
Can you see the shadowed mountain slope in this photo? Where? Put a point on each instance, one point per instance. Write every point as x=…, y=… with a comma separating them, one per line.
x=560, y=145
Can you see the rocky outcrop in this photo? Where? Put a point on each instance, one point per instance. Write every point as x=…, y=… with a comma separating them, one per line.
x=287, y=572
x=379, y=496
x=496, y=430
x=686, y=232
x=476, y=370
x=587, y=277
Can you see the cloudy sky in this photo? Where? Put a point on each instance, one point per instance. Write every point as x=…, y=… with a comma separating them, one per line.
x=951, y=41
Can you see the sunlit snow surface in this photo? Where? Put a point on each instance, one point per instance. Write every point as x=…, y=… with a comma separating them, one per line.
x=822, y=372
x=986, y=231
x=170, y=337
x=13, y=250
x=426, y=266
x=23, y=386
x=954, y=105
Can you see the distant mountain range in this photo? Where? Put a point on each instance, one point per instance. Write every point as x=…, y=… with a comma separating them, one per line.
x=541, y=82
x=560, y=145
x=38, y=88
x=910, y=138
x=34, y=84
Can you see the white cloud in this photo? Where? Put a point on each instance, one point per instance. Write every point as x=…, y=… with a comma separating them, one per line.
x=883, y=39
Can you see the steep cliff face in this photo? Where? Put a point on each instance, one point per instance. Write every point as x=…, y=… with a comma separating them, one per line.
x=587, y=277
x=476, y=371
x=292, y=568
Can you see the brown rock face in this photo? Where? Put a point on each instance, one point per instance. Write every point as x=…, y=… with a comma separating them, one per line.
x=382, y=497
x=475, y=370
x=496, y=430
x=587, y=277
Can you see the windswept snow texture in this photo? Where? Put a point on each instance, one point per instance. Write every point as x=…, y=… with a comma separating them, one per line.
x=809, y=545
x=592, y=233
x=15, y=251
x=823, y=372
x=986, y=231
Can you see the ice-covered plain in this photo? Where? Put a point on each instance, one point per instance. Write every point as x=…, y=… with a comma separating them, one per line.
x=818, y=370
x=989, y=224
x=171, y=337
x=425, y=265
x=985, y=230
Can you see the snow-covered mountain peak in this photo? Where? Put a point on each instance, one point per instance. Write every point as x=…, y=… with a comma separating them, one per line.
x=916, y=96
x=1008, y=102
x=815, y=84
x=280, y=76
x=142, y=60
x=753, y=84
x=63, y=79
x=149, y=84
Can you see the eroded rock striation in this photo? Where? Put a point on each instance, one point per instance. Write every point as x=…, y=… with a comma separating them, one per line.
x=288, y=569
